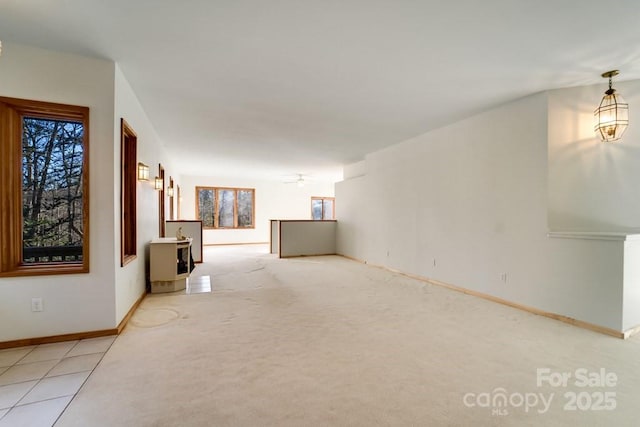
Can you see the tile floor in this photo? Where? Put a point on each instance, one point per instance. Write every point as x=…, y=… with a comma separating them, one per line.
x=38, y=382
x=198, y=285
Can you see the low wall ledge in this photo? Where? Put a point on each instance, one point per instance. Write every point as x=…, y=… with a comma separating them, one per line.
x=594, y=235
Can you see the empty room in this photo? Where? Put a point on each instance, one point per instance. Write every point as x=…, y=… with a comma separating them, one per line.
x=288, y=213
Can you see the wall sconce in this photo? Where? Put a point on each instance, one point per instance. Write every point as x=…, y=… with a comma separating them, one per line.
x=612, y=116
x=143, y=172
x=170, y=191
x=158, y=183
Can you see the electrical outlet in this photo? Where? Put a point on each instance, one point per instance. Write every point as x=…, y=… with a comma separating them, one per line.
x=36, y=304
x=503, y=277
x=434, y=262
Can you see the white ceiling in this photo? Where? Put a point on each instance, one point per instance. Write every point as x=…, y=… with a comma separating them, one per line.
x=279, y=87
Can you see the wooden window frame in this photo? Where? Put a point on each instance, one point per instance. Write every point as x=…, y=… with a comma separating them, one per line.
x=128, y=195
x=171, y=199
x=216, y=219
x=333, y=209
x=161, y=204
x=12, y=111
x=179, y=201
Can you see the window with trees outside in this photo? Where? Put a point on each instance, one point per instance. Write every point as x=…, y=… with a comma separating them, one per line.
x=323, y=208
x=219, y=207
x=44, y=188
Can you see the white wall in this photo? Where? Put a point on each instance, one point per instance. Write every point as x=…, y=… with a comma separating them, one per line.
x=631, y=308
x=467, y=203
x=274, y=200
x=592, y=185
x=130, y=280
x=73, y=302
x=355, y=170
x=306, y=238
x=353, y=213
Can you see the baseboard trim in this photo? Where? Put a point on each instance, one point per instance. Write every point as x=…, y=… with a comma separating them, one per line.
x=565, y=319
x=132, y=310
x=58, y=338
x=75, y=335
x=303, y=256
x=235, y=244
x=361, y=261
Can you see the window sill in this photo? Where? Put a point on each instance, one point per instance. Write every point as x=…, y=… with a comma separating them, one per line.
x=127, y=259
x=43, y=270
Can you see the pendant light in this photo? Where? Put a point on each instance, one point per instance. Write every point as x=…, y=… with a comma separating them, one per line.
x=612, y=116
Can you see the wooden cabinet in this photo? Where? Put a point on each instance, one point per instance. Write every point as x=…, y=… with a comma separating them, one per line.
x=170, y=264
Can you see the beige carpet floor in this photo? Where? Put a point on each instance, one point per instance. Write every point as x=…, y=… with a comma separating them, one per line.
x=325, y=341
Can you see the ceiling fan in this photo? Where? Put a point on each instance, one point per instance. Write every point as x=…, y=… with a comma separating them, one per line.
x=299, y=179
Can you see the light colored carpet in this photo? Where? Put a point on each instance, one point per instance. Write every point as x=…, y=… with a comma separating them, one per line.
x=326, y=341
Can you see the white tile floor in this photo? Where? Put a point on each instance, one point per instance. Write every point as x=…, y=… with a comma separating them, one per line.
x=198, y=285
x=38, y=382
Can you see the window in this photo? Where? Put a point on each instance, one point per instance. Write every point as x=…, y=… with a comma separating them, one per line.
x=161, y=207
x=171, y=198
x=323, y=208
x=128, y=180
x=179, y=195
x=44, y=188
x=225, y=207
